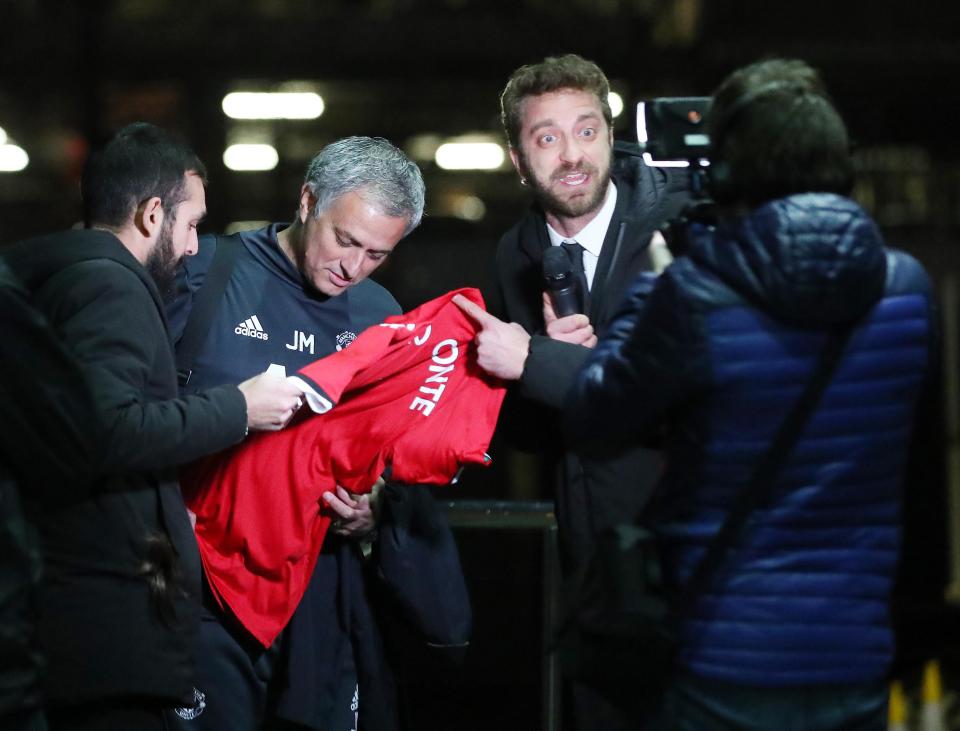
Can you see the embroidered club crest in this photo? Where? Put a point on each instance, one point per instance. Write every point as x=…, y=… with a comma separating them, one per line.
x=188, y=713
x=345, y=338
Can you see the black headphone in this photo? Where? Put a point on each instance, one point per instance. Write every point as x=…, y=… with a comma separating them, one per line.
x=720, y=181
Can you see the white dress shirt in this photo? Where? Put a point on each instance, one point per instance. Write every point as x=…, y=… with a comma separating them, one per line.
x=591, y=236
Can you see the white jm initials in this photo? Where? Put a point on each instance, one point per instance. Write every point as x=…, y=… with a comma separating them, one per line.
x=301, y=342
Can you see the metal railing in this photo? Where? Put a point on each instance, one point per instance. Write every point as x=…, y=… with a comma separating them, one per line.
x=526, y=515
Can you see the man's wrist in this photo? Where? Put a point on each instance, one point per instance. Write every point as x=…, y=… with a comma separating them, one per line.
x=525, y=359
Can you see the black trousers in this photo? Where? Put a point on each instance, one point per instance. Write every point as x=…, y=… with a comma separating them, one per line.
x=238, y=681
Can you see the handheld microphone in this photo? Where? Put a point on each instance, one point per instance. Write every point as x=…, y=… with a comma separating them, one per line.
x=563, y=286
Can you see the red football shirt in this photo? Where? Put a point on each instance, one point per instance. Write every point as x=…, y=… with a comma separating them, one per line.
x=408, y=394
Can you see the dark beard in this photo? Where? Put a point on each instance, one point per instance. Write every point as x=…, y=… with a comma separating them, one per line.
x=551, y=204
x=161, y=262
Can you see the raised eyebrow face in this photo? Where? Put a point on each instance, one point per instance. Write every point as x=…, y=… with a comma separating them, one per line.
x=548, y=123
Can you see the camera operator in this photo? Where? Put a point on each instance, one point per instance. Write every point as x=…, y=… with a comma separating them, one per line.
x=793, y=629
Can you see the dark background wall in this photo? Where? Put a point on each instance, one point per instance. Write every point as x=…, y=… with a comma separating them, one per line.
x=72, y=72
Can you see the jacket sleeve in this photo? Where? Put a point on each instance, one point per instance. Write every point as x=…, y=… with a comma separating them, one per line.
x=651, y=360
x=115, y=331
x=550, y=370
x=49, y=433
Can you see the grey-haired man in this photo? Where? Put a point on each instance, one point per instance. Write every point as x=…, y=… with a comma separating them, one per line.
x=296, y=293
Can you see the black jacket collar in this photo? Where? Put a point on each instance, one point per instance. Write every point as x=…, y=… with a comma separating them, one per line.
x=35, y=260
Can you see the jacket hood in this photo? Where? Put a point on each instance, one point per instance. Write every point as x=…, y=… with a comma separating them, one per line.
x=36, y=260
x=814, y=259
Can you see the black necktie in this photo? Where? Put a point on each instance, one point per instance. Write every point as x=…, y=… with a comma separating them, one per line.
x=575, y=252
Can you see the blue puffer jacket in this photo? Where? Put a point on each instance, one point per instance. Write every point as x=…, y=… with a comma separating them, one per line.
x=717, y=353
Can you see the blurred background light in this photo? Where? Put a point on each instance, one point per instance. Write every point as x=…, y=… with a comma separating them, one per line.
x=273, y=105
x=3, y=136
x=616, y=103
x=423, y=146
x=13, y=159
x=470, y=155
x=247, y=157
x=469, y=208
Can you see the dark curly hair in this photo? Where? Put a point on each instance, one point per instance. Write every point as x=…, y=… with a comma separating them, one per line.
x=140, y=162
x=569, y=71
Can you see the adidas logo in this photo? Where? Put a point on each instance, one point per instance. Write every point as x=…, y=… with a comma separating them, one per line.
x=252, y=328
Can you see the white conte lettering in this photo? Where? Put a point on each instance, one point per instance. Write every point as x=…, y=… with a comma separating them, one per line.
x=421, y=339
x=454, y=352
x=421, y=404
x=434, y=392
x=442, y=365
x=441, y=372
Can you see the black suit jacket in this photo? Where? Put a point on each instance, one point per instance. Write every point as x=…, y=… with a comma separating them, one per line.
x=107, y=626
x=597, y=493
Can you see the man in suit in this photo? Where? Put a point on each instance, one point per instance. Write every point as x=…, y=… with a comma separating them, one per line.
x=603, y=208
x=120, y=596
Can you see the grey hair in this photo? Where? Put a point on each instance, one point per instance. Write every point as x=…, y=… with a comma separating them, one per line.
x=389, y=179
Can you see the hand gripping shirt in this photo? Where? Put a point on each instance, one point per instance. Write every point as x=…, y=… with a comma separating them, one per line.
x=408, y=394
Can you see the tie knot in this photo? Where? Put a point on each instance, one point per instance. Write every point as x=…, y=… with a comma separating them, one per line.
x=575, y=253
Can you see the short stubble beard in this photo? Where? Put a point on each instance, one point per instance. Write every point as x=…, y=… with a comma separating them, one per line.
x=161, y=262
x=551, y=203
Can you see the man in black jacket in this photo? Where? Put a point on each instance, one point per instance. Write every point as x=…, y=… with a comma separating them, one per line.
x=48, y=449
x=603, y=209
x=119, y=598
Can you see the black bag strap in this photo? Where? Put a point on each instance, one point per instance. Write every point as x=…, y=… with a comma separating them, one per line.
x=767, y=471
x=205, y=302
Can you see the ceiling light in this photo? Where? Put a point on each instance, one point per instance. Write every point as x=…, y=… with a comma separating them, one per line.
x=13, y=159
x=470, y=156
x=250, y=157
x=273, y=105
